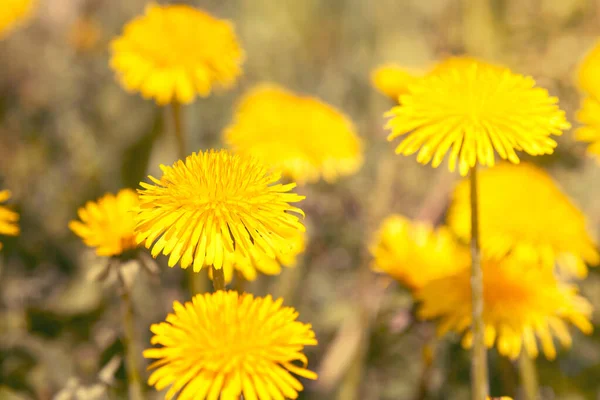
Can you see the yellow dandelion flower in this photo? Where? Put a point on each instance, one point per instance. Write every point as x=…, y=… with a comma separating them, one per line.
x=392, y=80
x=414, y=253
x=176, y=52
x=588, y=78
x=108, y=223
x=8, y=218
x=589, y=116
x=301, y=136
x=204, y=210
x=471, y=110
x=499, y=398
x=249, y=267
x=522, y=302
x=13, y=13
x=544, y=225
x=223, y=345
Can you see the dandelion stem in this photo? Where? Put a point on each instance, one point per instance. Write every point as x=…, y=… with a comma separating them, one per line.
x=131, y=359
x=179, y=130
x=529, y=378
x=218, y=278
x=479, y=373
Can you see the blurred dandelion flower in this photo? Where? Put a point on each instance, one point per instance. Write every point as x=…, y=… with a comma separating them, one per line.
x=589, y=116
x=522, y=302
x=259, y=262
x=8, y=218
x=223, y=345
x=588, y=78
x=13, y=13
x=392, y=80
x=302, y=136
x=499, y=398
x=414, y=253
x=176, y=52
x=204, y=210
x=544, y=225
x=471, y=109
x=107, y=224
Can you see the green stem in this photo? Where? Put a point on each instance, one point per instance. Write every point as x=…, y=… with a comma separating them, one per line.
x=179, y=130
x=529, y=379
x=428, y=353
x=131, y=360
x=479, y=373
x=218, y=278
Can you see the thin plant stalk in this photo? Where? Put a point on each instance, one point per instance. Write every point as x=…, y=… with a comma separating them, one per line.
x=218, y=278
x=529, y=379
x=197, y=281
x=131, y=353
x=479, y=370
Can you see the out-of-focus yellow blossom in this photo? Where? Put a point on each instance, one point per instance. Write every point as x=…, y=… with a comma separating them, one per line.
x=522, y=302
x=473, y=110
x=8, y=218
x=588, y=76
x=301, y=136
x=392, y=79
x=522, y=210
x=589, y=116
x=14, y=13
x=414, y=253
x=175, y=53
x=224, y=345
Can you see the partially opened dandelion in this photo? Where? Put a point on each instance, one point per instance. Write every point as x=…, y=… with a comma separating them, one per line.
x=225, y=345
x=14, y=13
x=473, y=110
x=544, y=224
x=523, y=304
x=204, y=210
x=392, y=80
x=414, y=253
x=302, y=136
x=8, y=218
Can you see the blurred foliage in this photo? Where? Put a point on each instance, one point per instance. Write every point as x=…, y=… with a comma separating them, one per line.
x=69, y=133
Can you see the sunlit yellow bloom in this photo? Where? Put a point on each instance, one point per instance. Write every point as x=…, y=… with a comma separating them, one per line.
x=471, y=111
x=176, y=52
x=499, y=398
x=302, y=136
x=204, y=210
x=522, y=302
x=13, y=13
x=392, y=79
x=522, y=210
x=8, y=218
x=223, y=345
x=258, y=262
x=588, y=78
x=107, y=223
x=589, y=116
x=414, y=253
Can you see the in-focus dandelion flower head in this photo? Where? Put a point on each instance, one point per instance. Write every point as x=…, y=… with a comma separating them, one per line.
x=205, y=209
x=523, y=304
x=589, y=117
x=226, y=344
x=392, y=80
x=414, y=253
x=175, y=53
x=588, y=78
x=8, y=218
x=259, y=262
x=13, y=13
x=301, y=136
x=473, y=110
x=522, y=210
x=108, y=223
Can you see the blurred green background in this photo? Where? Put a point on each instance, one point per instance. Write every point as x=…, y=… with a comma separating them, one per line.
x=69, y=133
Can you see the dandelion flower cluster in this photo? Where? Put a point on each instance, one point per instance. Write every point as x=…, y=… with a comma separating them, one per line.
x=13, y=13
x=224, y=345
x=107, y=224
x=544, y=225
x=589, y=82
x=204, y=210
x=471, y=110
x=522, y=302
x=414, y=253
x=8, y=218
x=175, y=53
x=302, y=136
